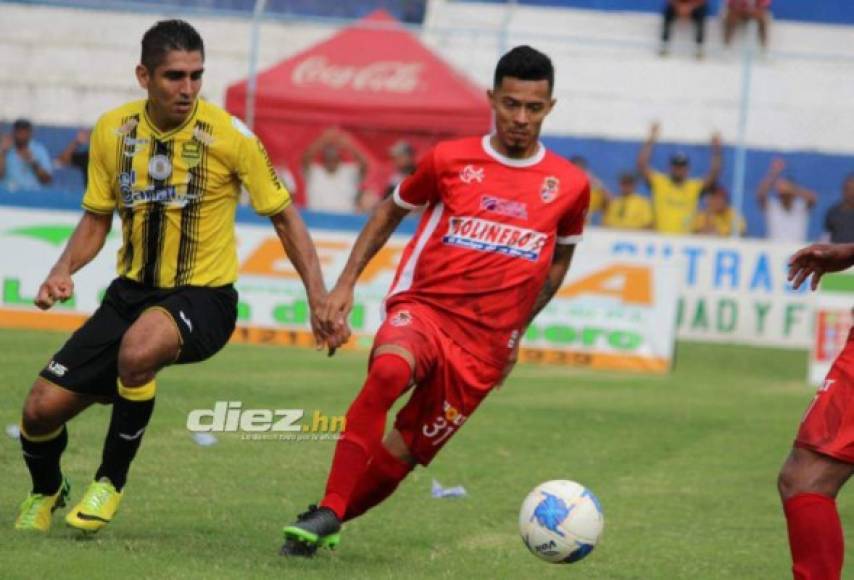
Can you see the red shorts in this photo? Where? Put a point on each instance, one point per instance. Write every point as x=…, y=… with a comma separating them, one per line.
x=450, y=383
x=828, y=424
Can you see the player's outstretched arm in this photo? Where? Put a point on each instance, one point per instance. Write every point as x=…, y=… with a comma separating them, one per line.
x=85, y=243
x=383, y=221
x=716, y=162
x=645, y=154
x=816, y=260
x=300, y=250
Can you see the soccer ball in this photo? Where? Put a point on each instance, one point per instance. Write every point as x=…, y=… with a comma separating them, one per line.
x=561, y=521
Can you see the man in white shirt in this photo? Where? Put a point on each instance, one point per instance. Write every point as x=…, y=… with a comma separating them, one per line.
x=787, y=214
x=331, y=183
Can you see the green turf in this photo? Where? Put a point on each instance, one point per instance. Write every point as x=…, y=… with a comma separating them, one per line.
x=685, y=466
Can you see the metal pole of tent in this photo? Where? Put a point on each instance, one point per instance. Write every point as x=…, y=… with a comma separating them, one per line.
x=740, y=170
x=252, y=81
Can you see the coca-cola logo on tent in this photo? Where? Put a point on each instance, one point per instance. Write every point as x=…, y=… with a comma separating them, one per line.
x=381, y=76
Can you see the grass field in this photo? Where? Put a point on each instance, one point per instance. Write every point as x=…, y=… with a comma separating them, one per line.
x=685, y=466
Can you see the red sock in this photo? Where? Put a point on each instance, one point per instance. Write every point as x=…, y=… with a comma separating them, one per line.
x=815, y=537
x=388, y=378
x=380, y=480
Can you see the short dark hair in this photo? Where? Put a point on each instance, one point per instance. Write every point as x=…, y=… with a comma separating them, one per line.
x=527, y=64
x=169, y=35
x=22, y=125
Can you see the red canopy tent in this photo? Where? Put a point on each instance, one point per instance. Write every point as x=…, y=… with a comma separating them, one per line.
x=373, y=80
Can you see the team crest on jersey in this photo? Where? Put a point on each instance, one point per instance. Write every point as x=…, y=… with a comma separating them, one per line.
x=494, y=237
x=470, y=174
x=159, y=167
x=191, y=153
x=401, y=318
x=550, y=189
x=506, y=207
x=129, y=126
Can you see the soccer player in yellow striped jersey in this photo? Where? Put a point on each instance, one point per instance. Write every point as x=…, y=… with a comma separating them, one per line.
x=172, y=167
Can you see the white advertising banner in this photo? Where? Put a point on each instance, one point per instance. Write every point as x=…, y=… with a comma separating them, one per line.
x=731, y=290
x=614, y=310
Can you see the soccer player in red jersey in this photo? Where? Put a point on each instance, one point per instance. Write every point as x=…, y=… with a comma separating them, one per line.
x=822, y=459
x=501, y=219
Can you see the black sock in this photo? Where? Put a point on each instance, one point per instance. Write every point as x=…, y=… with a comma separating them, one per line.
x=42, y=459
x=124, y=436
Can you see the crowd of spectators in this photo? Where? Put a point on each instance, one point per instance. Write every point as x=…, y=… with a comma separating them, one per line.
x=679, y=201
x=735, y=13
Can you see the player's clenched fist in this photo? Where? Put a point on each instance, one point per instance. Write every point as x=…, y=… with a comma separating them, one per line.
x=57, y=286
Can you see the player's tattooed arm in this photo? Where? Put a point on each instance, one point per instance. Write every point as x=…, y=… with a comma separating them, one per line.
x=85, y=243
x=557, y=272
x=382, y=223
x=817, y=259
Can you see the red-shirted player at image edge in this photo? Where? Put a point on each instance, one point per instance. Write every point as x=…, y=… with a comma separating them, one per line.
x=501, y=219
x=822, y=458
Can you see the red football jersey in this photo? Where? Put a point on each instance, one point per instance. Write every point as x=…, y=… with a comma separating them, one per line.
x=485, y=243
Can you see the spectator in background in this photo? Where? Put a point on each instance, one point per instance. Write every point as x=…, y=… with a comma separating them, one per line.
x=76, y=154
x=675, y=196
x=719, y=216
x=696, y=10
x=333, y=184
x=787, y=214
x=839, y=220
x=24, y=163
x=739, y=11
x=599, y=195
x=629, y=210
x=403, y=159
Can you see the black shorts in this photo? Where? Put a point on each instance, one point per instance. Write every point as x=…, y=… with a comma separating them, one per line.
x=88, y=362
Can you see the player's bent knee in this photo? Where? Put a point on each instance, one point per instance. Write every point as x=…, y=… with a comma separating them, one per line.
x=37, y=416
x=397, y=448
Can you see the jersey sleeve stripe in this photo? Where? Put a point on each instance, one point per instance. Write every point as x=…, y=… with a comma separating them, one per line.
x=278, y=209
x=95, y=209
x=569, y=240
x=402, y=202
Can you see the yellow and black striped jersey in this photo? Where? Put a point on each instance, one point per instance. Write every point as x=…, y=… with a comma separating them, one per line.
x=177, y=192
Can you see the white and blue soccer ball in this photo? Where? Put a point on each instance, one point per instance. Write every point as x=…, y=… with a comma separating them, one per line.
x=561, y=521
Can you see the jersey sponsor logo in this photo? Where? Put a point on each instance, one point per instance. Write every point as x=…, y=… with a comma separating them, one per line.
x=488, y=236
x=167, y=195
x=129, y=126
x=470, y=174
x=550, y=189
x=506, y=207
x=401, y=318
x=159, y=167
x=134, y=146
x=56, y=369
x=203, y=136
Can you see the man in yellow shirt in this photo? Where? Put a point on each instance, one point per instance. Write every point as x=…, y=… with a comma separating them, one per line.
x=675, y=196
x=172, y=166
x=630, y=210
x=719, y=217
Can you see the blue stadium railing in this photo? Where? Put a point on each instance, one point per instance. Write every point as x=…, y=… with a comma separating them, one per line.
x=820, y=11
x=411, y=11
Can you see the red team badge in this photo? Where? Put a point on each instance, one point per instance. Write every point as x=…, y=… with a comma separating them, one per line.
x=470, y=174
x=550, y=189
